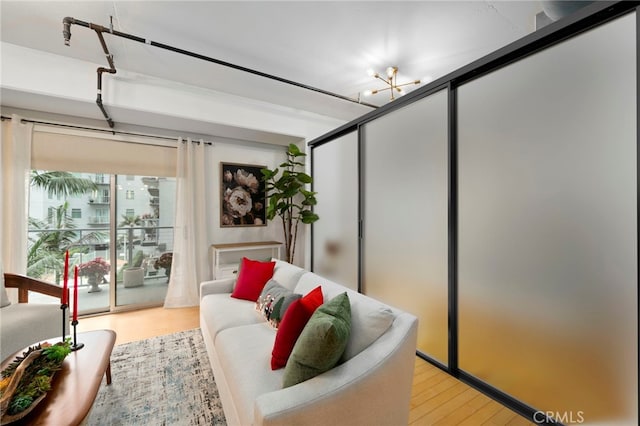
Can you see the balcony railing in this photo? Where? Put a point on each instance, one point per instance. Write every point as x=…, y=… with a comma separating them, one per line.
x=141, y=244
x=98, y=220
x=100, y=200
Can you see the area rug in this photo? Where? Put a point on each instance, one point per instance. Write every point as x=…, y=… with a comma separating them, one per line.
x=165, y=380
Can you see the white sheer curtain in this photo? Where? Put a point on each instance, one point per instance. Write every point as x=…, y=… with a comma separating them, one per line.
x=190, y=241
x=15, y=162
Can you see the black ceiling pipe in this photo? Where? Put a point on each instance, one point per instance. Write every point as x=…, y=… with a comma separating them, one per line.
x=66, y=32
x=111, y=70
x=68, y=21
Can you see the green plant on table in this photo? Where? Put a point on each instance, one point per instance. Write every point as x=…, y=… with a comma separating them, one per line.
x=36, y=378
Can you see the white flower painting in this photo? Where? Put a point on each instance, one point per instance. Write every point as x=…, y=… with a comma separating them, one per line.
x=242, y=195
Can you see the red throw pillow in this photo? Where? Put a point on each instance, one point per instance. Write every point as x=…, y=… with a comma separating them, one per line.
x=292, y=324
x=252, y=278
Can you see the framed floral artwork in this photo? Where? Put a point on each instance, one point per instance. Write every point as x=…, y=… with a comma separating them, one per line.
x=242, y=195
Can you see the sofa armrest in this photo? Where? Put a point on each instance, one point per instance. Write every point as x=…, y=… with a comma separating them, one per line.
x=26, y=284
x=381, y=375
x=224, y=285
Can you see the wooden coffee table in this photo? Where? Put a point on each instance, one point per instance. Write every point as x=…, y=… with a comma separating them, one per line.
x=75, y=386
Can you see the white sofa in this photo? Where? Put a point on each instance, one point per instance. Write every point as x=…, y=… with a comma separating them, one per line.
x=373, y=387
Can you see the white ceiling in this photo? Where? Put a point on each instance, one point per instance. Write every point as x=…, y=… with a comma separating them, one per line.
x=328, y=45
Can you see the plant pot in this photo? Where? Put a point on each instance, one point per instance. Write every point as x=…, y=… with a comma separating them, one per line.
x=133, y=277
x=94, y=281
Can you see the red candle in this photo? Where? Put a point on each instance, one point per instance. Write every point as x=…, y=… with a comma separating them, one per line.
x=65, y=277
x=75, y=294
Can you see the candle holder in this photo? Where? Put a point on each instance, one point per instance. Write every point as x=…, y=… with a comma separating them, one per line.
x=76, y=346
x=63, y=308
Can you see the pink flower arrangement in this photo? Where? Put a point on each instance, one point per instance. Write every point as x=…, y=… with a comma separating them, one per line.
x=97, y=266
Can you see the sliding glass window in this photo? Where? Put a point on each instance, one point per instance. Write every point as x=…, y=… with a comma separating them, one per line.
x=94, y=196
x=72, y=211
x=145, y=208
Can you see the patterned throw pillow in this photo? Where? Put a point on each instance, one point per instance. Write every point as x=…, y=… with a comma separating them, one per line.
x=274, y=301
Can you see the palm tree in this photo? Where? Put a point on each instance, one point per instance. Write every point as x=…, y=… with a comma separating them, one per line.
x=46, y=252
x=130, y=221
x=61, y=184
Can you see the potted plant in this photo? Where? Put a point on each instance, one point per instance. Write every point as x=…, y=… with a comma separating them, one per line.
x=164, y=261
x=288, y=197
x=130, y=221
x=94, y=270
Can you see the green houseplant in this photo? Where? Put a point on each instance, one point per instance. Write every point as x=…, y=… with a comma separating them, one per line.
x=288, y=197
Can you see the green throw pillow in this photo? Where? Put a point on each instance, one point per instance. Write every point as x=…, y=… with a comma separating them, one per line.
x=321, y=343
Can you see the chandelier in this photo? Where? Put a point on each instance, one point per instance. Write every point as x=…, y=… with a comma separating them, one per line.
x=392, y=74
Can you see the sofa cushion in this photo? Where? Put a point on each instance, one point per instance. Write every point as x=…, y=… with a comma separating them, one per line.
x=311, y=280
x=243, y=353
x=274, y=301
x=287, y=274
x=4, y=297
x=292, y=325
x=44, y=321
x=252, y=277
x=321, y=343
x=369, y=317
x=369, y=320
x=220, y=312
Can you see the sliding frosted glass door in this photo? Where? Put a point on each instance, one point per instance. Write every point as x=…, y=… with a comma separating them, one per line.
x=548, y=227
x=335, y=235
x=405, y=216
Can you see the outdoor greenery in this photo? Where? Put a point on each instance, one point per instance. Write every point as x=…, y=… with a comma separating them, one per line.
x=129, y=220
x=63, y=184
x=288, y=197
x=47, y=248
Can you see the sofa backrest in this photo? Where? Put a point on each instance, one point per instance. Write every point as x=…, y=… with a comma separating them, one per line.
x=369, y=318
x=286, y=274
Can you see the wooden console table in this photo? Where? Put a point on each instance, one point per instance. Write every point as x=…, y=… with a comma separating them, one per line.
x=75, y=386
x=224, y=268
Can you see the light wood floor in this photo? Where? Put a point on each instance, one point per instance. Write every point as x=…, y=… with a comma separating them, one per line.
x=144, y=323
x=437, y=398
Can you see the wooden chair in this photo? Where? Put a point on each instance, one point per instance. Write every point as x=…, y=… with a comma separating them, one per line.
x=26, y=284
x=24, y=323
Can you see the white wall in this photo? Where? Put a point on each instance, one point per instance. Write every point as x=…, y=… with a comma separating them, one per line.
x=228, y=151
x=32, y=76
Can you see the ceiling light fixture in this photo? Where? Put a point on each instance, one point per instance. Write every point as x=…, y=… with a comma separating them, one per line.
x=392, y=74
